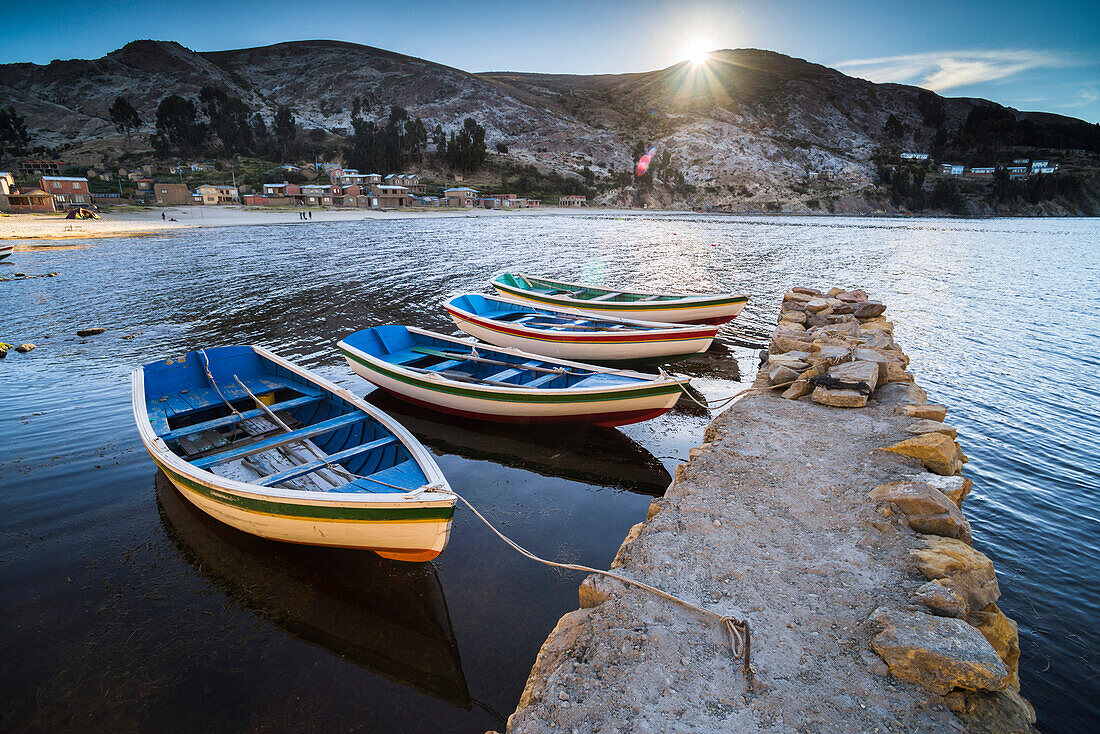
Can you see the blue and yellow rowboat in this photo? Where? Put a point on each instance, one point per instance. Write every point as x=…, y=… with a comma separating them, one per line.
x=274, y=450
x=675, y=308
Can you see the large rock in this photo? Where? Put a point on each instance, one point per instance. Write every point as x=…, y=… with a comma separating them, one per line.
x=879, y=357
x=1004, y=635
x=803, y=386
x=798, y=297
x=798, y=317
x=855, y=296
x=901, y=393
x=792, y=327
x=870, y=310
x=896, y=373
x=927, y=509
x=790, y=360
x=939, y=653
x=829, y=353
x=920, y=427
x=943, y=599
x=865, y=372
x=781, y=344
x=956, y=487
x=926, y=412
x=817, y=305
x=938, y=453
x=803, y=290
x=779, y=374
x=1002, y=712
x=969, y=571
x=838, y=398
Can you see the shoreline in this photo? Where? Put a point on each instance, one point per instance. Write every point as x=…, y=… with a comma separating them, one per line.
x=136, y=222
x=834, y=524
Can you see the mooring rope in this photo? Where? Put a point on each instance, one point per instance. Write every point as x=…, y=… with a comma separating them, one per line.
x=214, y=384
x=739, y=630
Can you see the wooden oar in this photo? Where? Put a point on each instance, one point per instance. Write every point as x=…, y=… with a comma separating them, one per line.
x=471, y=357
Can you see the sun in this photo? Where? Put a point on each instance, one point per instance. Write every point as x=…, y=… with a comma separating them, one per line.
x=697, y=51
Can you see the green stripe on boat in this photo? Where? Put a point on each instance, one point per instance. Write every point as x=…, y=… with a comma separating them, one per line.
x=542, y=396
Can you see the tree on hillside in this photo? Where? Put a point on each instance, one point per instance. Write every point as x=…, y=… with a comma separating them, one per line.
x=230, y=119
x=893, y=128
x=466, y=150
x=13, y=132
x=386, y=148
x=931, y=108
x=178, y=126
x=285, y=129
x=125, y=117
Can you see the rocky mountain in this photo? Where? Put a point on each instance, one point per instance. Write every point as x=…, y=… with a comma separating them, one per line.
x=748, y=127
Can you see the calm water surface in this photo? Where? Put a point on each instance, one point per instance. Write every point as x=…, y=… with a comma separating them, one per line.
x=125, y=609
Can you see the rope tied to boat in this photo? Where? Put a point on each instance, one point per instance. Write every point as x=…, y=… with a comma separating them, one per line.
x=726, y=401
x=738, y=630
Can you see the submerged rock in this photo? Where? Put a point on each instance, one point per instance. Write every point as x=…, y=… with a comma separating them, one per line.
x=92, y=331
x=1002, y=712
x=968, y=570
x=939, y=653
x=24, y=348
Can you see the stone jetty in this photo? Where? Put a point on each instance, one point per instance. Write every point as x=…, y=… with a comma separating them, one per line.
x=827, y=508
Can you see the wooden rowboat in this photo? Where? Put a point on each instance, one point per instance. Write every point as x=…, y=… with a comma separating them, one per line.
x=6, y=250
x=474, y=380
x=675, y=308
x=271, y=449
x=556, y=333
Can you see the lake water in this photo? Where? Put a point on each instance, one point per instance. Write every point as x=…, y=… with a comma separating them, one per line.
x=125, y=609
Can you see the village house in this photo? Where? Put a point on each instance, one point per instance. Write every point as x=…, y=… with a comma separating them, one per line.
x=36, y=169
x=982, y=171
x=283, y=194
x=952, y=169
x=212, y=194
x=30, y=200
x=67, y=190
x=914, y=156
x=254, y=200
x=361, y=196
x=1043, y=167
x=321, y=194
x=460, y=196
x=390, y=195
x=172, y=194
x=573, y=200
x=409, y=180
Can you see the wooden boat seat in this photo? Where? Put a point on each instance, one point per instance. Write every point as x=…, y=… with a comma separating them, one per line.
x=606, y=296
x=405, y=474
x=444, y=365
x=651, y=298
x=232, y=418
x=333, y=458
x=256, y=447
x=542, y=380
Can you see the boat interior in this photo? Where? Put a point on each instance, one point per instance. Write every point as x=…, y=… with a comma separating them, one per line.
x=542, y=319
x=426, y=354
x=260, y=423
x=582, y=293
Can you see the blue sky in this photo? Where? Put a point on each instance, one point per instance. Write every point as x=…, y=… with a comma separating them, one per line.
x=1030, y=55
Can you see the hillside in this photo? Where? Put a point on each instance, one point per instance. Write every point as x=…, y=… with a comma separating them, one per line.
x=751, y=128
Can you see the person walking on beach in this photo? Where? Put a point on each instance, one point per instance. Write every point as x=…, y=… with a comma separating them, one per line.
x=162, y=216
x=311, y=214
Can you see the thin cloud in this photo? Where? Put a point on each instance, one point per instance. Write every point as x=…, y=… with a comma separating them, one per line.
x=948, y=69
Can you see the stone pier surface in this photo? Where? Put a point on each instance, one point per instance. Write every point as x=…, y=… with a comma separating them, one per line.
x=828, y=513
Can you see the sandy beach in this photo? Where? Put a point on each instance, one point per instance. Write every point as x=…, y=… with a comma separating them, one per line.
x=135, y=222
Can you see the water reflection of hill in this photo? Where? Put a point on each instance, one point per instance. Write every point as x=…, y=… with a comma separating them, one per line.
x=389, y=617
x=602, y=456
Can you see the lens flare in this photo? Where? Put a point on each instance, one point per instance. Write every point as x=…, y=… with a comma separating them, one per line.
x=643, y=162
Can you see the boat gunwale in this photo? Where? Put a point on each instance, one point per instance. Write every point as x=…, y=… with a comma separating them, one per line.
x=661, y=328
x=160, y=452
x=688, y=299
x=647, y=381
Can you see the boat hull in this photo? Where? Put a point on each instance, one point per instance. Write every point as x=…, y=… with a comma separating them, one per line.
x=601, y=347
x=419, y=535
x=6, y=250
x=702, y=310
x=615, y=407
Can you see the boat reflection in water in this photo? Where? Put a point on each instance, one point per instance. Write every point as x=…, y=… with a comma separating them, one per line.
x=388, y=617
x=602, y=456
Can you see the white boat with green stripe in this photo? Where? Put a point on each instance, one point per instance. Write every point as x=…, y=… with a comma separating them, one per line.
x=594, y=300
x=276, y=451
x=465, y=377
